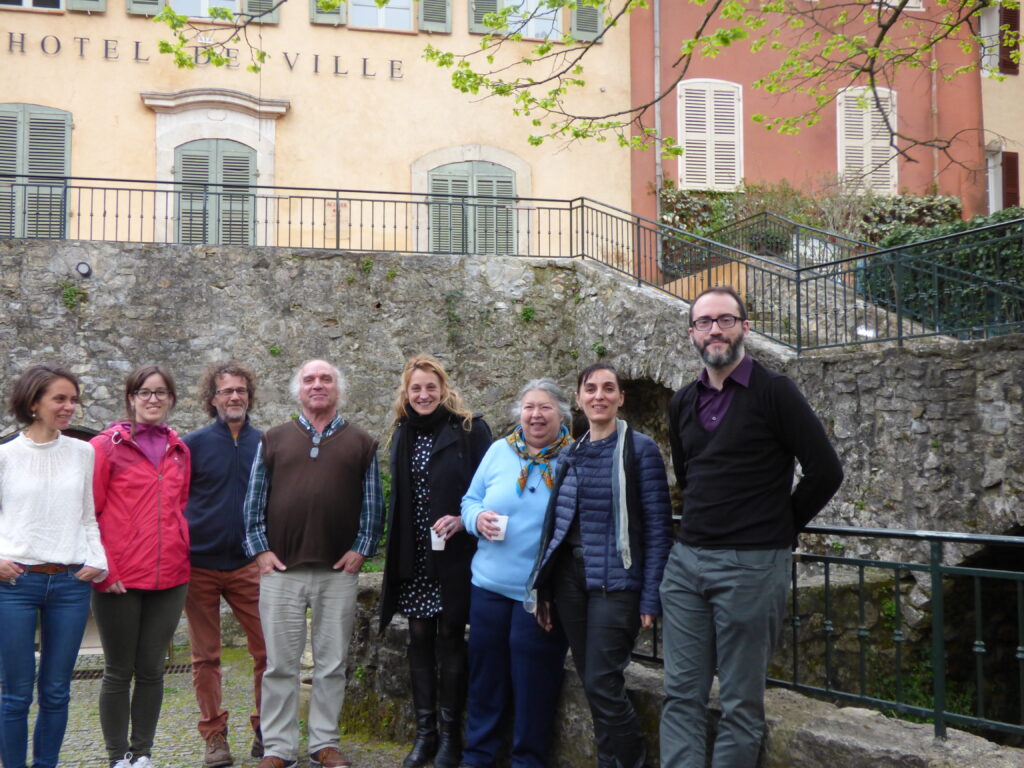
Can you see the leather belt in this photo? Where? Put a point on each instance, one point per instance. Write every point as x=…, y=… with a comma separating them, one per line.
x=49, y=568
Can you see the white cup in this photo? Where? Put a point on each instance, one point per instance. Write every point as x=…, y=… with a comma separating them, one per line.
x=502, y=527
x=436, y=540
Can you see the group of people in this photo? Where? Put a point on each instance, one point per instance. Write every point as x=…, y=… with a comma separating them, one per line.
x=539, y=542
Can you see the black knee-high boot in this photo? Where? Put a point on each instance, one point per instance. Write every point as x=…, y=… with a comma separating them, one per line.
x=424, y=699
x=452, y=704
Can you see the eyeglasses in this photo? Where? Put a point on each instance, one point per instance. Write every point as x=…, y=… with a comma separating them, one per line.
x=725, y=322
x=315, y=450
x=229, y=391
x=146, y=394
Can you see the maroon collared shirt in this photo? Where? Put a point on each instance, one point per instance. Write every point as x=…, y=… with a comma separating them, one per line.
x=712, y=404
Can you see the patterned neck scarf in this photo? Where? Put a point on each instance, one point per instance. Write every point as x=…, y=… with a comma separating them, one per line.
x=542, y=459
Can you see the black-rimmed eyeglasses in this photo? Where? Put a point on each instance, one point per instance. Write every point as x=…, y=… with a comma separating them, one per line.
x=725, y=322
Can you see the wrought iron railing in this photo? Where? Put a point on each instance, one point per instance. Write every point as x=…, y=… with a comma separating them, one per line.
x=788, y=241
x=800, y=299
x=849, y=636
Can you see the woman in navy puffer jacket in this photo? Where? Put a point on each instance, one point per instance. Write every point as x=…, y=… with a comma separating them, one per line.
x=606, y=539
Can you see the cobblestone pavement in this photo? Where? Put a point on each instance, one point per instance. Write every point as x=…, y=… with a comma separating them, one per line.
x=178, y=744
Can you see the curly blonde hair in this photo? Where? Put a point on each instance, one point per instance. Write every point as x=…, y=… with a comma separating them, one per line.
x=450, y=398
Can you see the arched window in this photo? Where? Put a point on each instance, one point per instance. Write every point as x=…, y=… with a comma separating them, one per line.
x=214, y=198
x=711, y=134
x=35, y=150
x=476, y=218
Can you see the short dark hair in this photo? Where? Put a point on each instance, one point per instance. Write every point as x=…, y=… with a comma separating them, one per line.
x=593, y=368
x=208, y=384
x=32, y=385
x=138, y=376
x=726, y=290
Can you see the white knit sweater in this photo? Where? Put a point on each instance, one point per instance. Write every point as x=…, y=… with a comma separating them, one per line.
x=46, y=507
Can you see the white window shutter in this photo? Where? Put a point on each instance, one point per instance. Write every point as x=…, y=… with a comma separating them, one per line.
x=866, y=158
x=710, y=130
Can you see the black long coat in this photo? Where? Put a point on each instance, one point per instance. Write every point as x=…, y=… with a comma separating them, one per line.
x=453, y=461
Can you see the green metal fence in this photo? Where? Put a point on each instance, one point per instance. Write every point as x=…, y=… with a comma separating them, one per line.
x=966, y=668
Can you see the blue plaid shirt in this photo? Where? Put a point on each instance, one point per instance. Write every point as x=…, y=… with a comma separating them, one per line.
x=371, y=516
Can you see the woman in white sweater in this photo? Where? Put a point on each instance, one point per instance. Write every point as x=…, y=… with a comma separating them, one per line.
x=50, y=551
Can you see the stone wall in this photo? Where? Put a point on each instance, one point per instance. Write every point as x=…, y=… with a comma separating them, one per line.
x=926, y=432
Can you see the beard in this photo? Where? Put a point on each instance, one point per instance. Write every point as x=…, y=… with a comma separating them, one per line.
x=724, y=359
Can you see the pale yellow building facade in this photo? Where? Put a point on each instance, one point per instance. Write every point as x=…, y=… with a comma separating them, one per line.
x=345, y=101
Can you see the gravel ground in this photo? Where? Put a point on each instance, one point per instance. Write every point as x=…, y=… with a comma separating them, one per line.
x=178, y=744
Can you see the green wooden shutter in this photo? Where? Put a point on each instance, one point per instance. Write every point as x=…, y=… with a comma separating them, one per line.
x=237, y=175
x=495, y=220
x=435, y=15
x=97, y=6
x=146, y=7
x=46, y=161
x=477, y=10
x=335, y=18
x=215, y=199
x=587, y=22
x=256, y=7
x=448, y=216
x=192, y=165
x=9, y=119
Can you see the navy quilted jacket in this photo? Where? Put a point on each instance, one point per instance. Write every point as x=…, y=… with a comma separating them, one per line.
x=584, y=482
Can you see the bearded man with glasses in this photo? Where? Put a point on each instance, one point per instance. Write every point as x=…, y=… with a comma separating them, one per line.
x=314, y=512
x=736, y=433
x=222, y=457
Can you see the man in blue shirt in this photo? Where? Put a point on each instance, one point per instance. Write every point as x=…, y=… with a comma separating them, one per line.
x=222, y=455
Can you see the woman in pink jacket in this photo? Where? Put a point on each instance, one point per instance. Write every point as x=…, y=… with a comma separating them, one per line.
x=140, y=487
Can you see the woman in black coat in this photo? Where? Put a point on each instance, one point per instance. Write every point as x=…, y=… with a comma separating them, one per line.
x=435, y=449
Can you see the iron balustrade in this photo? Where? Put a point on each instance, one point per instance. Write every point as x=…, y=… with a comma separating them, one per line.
x=806, y=296
x=847, y=637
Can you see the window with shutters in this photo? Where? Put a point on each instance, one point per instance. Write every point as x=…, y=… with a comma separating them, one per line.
x=1009, y=28
x=711, y=134
x=214, y=198
x=200, y=9
x=48, y=4
x=587, y=22
x=530, y=18
x=35, y=147
x=475, y=214
x=867, y=160
x=397, y=14
x=1011, y=179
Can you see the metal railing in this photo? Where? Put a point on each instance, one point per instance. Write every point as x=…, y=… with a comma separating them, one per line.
x=788, y=241
x=848, y=638
x=805, y=299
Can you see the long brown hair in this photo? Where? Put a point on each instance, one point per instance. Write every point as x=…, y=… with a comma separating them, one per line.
x=450, y=398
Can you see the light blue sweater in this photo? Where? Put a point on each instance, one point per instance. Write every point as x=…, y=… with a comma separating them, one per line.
x=504, y=566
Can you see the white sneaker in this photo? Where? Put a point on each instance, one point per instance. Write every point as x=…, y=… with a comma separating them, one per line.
x=143, y=762
x=124, y=762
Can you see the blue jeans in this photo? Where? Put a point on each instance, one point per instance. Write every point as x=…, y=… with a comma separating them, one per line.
x=510, y=656
x=60, y=604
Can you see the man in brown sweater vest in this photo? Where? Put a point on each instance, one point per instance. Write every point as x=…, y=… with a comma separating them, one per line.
x=314, y=512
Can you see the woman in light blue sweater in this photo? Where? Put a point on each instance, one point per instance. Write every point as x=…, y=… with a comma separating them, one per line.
x=510, y=655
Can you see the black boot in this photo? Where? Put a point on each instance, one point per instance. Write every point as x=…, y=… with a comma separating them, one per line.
x=424, y=699
x=453, y=702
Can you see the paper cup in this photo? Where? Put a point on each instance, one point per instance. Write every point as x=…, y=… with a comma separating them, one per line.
x=502, y=527
x=436, y=540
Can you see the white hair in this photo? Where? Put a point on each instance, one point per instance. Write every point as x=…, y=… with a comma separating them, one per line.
x=544, y=385
x=339, y=377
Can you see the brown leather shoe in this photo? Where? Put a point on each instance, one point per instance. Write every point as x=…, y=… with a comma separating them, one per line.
x=275, y=762
x=217, y=753
x=328, y=757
